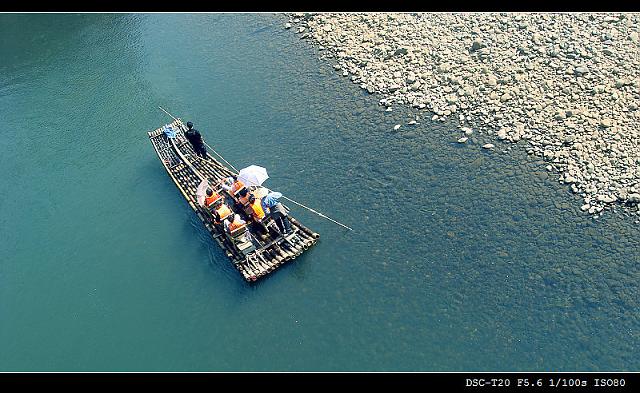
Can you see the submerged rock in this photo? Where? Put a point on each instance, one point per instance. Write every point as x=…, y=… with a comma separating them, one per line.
x=477, y=44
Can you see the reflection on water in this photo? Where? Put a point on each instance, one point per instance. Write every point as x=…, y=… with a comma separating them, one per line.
x=460, y=258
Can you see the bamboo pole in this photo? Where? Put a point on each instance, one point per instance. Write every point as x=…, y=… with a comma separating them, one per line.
x=285, y=197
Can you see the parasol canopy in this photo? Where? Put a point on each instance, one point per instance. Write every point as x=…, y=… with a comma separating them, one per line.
x=201, y=191
x=253, y=175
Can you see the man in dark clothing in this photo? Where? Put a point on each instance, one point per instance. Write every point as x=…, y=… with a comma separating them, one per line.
x=279, y=215
x=196, y=141
x=277, y=211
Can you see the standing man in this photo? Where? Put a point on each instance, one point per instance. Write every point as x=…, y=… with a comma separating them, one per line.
x=196, y=141
x=277, y=211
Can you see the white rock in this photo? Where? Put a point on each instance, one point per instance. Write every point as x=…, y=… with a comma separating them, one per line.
x=463, y=139
x=287, y=25
x=634, y=198
x=396, y=127
x=606, y=198
x=580, y=70
x=488, y=146
x=505, y=97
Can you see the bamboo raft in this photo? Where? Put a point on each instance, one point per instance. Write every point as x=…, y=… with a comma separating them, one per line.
x=254, y=256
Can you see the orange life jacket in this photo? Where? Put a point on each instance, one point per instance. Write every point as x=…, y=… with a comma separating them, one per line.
x=235, y=225
x=210, y=199
x=236, y=186
x=244, y=200
x=223, y=211
x=258, y=213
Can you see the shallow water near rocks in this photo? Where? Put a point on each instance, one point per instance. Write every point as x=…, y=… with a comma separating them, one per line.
x=460, y=258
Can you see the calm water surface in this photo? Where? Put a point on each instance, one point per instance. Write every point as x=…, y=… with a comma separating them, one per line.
x=460, y=258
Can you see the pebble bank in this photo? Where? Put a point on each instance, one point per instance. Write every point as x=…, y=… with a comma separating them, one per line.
x=564, y=86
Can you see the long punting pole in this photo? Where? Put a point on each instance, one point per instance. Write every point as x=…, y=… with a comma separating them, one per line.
x=320, y=214
x=289, y=199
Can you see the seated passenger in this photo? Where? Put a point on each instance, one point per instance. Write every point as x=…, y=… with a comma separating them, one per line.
x=211, y=198
x=236, y=187
x=232, y=185
x=244, y=196
x=257, y=212
x=227, y=183
x=220, y=211
x=233, y=222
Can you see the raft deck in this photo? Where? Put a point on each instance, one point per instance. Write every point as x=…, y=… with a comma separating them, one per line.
x=254, y=256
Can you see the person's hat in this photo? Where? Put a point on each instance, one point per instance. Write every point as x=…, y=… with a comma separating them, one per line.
x=209, y=192
x=189, y=124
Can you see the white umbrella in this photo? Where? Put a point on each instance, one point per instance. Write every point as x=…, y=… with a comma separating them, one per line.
x=201, y=191
x=253, y=175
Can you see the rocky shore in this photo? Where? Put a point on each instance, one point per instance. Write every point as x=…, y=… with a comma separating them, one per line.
x=565, y=87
